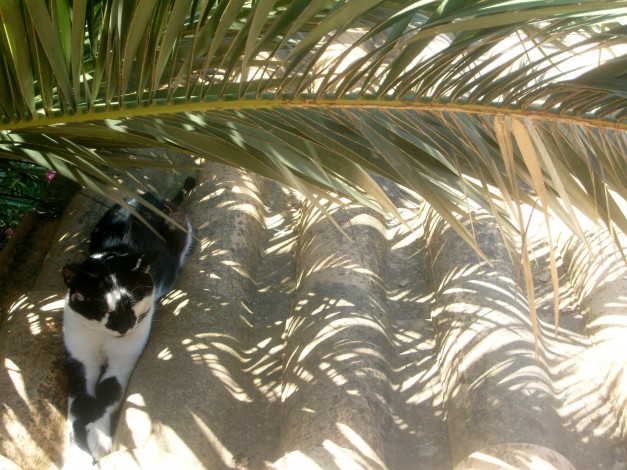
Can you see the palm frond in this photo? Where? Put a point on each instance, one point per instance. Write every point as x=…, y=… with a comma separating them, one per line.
x=466, y=102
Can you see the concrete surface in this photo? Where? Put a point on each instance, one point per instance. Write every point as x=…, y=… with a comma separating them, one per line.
x=289, y=345
x=600, y=283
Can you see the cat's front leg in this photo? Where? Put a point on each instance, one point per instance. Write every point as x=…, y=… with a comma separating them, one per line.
x=83, y=377
x=109, y=394
x=99, y=431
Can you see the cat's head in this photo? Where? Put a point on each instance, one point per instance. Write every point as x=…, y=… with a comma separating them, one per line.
x=112, y=289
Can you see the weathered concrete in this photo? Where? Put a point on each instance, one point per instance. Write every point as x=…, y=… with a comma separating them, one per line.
x=286, y=345
x=600, y=282
x=33, y=383
x=336, y=386
x=515, y=456
x=495, y=389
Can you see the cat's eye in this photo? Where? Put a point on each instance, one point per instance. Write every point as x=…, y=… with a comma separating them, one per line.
x=77, y=297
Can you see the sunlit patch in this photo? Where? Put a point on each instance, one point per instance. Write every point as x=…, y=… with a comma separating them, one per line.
x=56, y=305
x=213, y=440
x=269, y=364
x=18, y=304
x=334, y=327
x=202, y=353
x=205, y=243
x=165, y=354
x=216, y=193
x=516, y=456
x=180, y=307
x=274, y=221
x=34, y=323
x=243, y=208
x=428, y=388
x=304, y=375
x=301, y=303
x=245, y=307
x=337, y=378
x=237, y=267
x=407, y=240
x=228, y=349
x=172, y=296
x=346, y=356
x=296, y=459
x=138, y=420
x=368, y=221
x=360, y=444
x=264, y=343
x=288, y=389
x=245, y=320
x=71, y=248
x=283, y=247
x=15, y=374
x=271, y=390
x=400, y=295
x=345, y=458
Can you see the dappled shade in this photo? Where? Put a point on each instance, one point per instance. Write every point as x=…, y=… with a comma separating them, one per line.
x=292, y=341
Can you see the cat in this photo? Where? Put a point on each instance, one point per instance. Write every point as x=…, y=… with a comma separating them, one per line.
x=108, y=311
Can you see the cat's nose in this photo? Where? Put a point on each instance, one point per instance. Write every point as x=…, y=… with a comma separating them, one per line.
x=124, y=327
x=121, y=323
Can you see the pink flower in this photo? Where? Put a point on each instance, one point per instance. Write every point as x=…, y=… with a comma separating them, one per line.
x=50, y=174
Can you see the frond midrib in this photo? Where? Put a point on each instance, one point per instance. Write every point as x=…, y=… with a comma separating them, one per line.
x=130, y=110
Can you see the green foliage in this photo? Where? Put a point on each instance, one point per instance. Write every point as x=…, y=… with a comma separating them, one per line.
x=21, y=186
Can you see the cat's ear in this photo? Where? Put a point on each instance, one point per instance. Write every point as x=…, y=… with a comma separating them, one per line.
x=144, y=260
x=70, y=274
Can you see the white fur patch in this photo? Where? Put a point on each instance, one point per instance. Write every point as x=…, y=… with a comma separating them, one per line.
x=188, y=243
x=77, y=459
x=99, y=438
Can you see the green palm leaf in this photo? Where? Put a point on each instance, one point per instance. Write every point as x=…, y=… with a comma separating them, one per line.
x=465, y=102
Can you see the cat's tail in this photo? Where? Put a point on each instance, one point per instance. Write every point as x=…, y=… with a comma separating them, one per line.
x=187, y=186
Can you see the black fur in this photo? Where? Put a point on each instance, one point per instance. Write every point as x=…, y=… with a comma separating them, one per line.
x=111, y=234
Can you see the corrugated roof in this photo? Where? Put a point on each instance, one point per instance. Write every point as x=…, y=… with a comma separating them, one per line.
x=289, y=344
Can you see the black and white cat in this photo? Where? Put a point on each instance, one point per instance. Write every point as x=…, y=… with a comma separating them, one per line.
x=108, y=312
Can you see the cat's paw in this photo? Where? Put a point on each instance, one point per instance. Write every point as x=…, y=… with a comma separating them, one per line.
x=99, y=441
x=77, y=459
